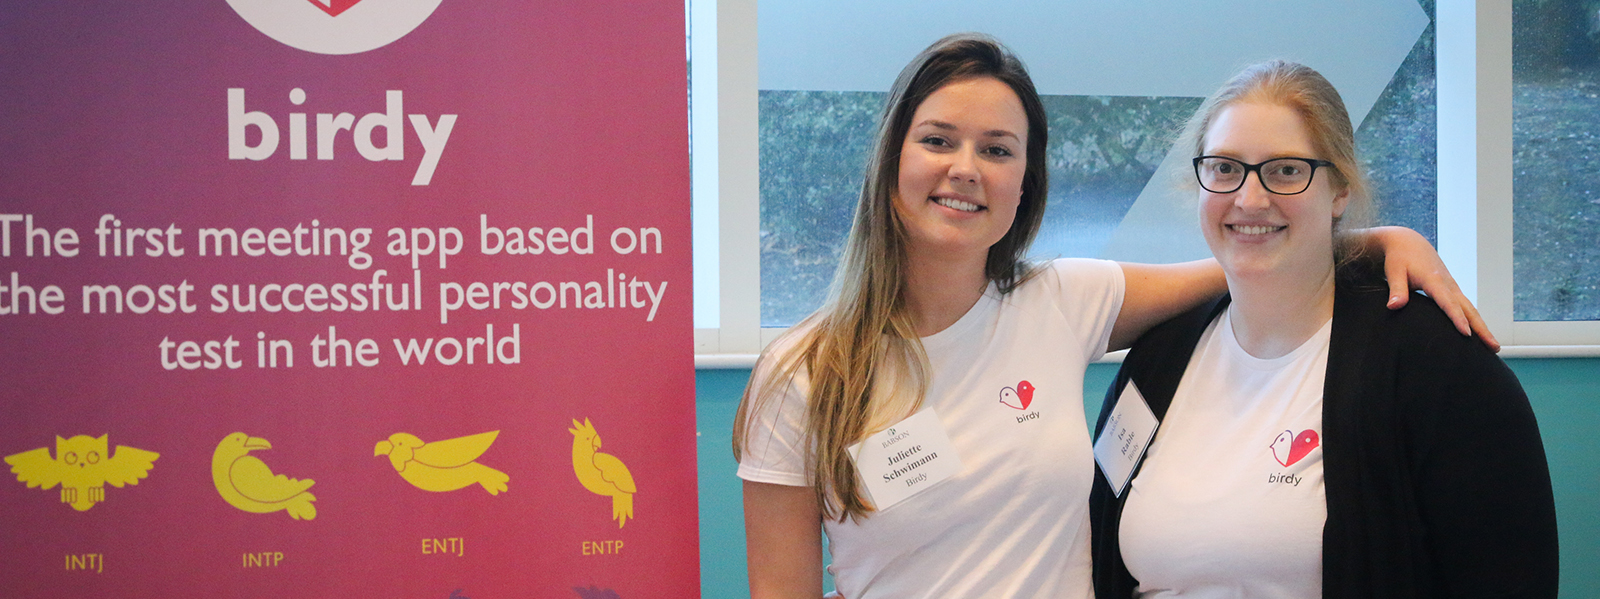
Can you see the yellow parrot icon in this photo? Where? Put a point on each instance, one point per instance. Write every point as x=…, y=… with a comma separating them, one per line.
x=601, y=473
x=82, y=467
x=245, y=482
x=445, y=465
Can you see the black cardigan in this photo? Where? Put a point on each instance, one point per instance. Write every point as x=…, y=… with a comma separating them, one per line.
x=1434, y=473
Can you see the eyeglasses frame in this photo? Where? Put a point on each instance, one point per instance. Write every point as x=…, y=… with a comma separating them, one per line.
x=1256, y=168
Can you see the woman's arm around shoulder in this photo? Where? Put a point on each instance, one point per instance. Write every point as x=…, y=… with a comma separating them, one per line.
x=783, y=541
x=1157, y=292
x=1410, y=262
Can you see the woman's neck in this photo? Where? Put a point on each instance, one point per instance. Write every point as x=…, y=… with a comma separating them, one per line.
x=1272, y=314
x=939, y=292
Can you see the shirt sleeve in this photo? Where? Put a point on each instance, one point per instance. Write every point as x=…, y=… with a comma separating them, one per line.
x=1089, y=295
x=774, y=443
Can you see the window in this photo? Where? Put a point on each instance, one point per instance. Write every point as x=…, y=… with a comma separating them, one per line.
x=792, y=144
x=1556, y=141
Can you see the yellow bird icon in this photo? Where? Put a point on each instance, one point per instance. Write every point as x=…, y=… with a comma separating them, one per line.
x=82, y=467
x=245, y=482
x=601, y=473
x=443, y=465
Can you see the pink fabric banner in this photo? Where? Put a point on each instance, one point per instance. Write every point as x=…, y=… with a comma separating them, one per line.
x=310, y=298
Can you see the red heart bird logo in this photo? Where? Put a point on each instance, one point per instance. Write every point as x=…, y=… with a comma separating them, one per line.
x=1289, y=448
x=334, y=7
x=1017, y=398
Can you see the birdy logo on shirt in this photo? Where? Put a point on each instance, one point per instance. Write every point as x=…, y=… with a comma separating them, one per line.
x=1289, y=448
x=1019, y=398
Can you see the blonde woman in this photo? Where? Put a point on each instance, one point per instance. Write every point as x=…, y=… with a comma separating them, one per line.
x=1313, y=443
x=935, y=312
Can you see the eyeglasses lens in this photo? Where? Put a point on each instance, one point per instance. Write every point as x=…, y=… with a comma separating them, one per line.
x=1220, y=175
x=1286, y=176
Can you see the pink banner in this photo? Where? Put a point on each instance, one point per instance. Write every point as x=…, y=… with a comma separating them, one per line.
x=307, y=298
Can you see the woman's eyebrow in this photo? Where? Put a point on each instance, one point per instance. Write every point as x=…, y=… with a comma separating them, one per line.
x=1002, y=133
x=938, y=124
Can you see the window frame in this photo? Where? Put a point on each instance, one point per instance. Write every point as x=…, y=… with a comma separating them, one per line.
x=1489, y=22
x=1474, y=173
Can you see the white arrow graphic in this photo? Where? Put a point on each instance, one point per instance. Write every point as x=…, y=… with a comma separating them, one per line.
x=1076, y=47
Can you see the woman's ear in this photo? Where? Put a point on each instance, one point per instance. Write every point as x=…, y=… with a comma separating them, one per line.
x=1340, y=202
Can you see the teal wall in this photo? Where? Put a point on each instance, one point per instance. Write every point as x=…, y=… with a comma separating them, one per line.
x=1565, y=395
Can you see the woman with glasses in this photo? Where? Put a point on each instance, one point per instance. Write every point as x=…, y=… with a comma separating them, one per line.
x=1312, y=443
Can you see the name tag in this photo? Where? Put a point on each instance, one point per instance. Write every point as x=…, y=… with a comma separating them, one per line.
x=905, y=459
x=1124, y=439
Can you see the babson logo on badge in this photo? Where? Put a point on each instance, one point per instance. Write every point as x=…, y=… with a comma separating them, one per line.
x=895, y=437
x=331, y=130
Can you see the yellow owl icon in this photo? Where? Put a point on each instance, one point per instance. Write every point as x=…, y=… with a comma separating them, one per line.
x=601, y=473
x=245, y=482
x=445, y=465
x=82, y=467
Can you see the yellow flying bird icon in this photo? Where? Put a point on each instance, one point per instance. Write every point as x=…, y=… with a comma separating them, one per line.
x=443, y=465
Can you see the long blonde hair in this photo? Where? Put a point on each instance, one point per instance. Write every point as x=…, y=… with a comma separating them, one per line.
x=863, y=339
x=1305, y=91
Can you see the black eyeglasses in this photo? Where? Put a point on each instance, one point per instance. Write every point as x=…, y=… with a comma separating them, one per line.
x=1282, y=176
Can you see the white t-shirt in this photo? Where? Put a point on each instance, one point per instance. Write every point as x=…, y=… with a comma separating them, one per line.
x=1007, y=384
x=1229, y=502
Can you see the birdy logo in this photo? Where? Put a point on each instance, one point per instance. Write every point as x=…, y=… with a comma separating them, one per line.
x=334, y=7
x=601, y=473
x=363, y=133
x=1289, y=448
x=245, y=482
x=1019, y=397
x=445, y=465
x=82, y=466
x=335, y=26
